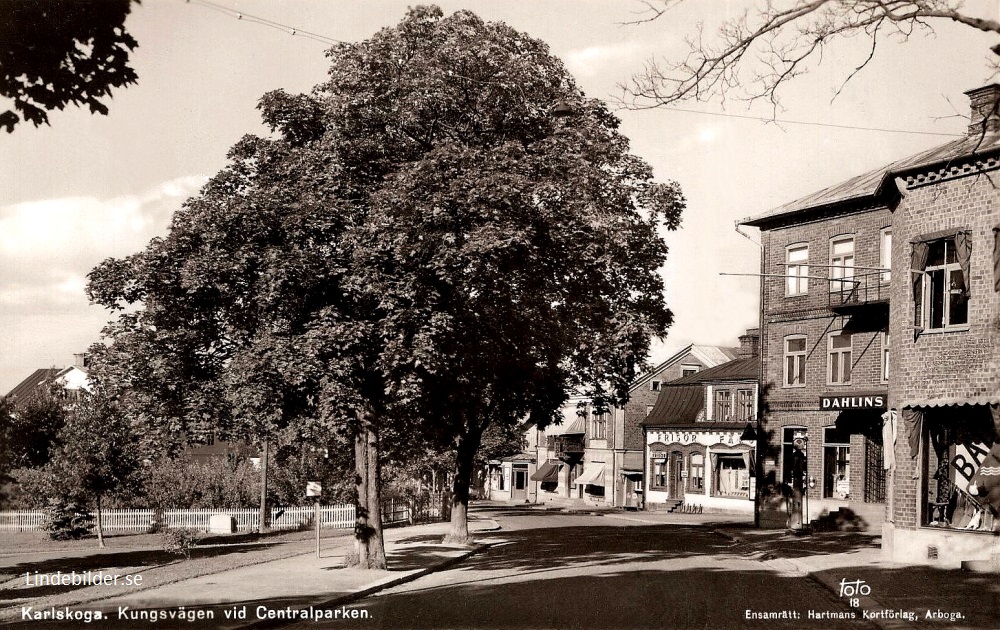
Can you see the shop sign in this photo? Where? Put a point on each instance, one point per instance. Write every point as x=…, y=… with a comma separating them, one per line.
x=708, y=438
x=836, y=403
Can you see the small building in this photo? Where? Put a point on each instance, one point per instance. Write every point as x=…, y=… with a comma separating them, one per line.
x=700, y=438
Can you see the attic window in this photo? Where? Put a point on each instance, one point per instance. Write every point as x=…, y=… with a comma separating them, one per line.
x=688, y=370
x=654, y=386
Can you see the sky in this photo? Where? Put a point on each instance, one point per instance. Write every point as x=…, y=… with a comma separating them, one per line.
x=89, y=187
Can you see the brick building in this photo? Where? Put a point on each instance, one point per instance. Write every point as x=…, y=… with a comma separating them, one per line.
x=925, y=267
x=824, y=342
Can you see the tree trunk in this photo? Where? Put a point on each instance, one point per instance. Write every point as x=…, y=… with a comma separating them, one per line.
x=100, y=524
x=368, y=541
x=264, y=522
x=461, y=482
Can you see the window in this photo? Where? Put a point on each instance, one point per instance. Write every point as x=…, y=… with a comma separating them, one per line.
x=838, y=365
x=697, y=480
x=797, y=269
x=841, y=263
x=649, y=409
x=836, y=463
x=941, y=298
x=744, y=405
x=659, y=473
x=730, y=474
x=885, y=254
x=599, y=427
x=723, y=405
x=885, y=357
x=688, y=370
x=654, y=386
x=795, y=361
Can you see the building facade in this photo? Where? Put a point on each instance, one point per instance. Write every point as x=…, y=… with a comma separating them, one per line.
x=908, y=259
x=700, y=450
x=597, y=458
x=825, y=341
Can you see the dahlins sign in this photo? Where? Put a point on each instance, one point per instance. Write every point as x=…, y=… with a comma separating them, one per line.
x=858, y=401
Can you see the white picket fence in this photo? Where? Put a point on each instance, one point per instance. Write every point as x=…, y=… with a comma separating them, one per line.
x=333, y=516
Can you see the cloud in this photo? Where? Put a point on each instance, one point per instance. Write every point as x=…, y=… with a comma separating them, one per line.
x=595, y=59
x=48, y=246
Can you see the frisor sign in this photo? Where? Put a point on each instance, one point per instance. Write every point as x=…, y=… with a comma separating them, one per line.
x=856, y=401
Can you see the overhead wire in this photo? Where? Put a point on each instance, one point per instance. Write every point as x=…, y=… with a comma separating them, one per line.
x=256, y=19
x=298, y=32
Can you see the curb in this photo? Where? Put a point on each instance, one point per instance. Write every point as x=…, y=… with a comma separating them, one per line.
x=350, y=598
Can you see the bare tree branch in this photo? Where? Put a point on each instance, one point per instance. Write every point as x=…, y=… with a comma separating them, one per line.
x=753, y=55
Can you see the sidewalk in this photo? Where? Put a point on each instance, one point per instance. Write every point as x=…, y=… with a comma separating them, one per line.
x=263, y=594
x=899, y=596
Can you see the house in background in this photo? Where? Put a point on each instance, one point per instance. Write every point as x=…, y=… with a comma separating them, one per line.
x=597, y=458
x=72, y=380
x=700, y=447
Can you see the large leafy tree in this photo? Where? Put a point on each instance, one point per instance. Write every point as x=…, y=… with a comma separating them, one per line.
x=422, y=250
x=57, y=52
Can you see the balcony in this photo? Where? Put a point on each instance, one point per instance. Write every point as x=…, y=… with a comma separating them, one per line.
x=862, y=294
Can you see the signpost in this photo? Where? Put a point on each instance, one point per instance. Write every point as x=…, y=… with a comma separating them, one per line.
x=314, y=489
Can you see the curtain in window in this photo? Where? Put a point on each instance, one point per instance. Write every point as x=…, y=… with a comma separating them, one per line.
x=995, y=410
x=963, y=251
x=996, y=258
x=914, y=421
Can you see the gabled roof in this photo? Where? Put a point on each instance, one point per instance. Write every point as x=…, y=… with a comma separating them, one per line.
x=38, y=377
x=709, y=355
x=738, y=370
x=877, y=184
x=676, y=405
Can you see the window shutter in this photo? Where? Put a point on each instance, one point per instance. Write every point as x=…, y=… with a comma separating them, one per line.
x=996, y=258
x=963, y=251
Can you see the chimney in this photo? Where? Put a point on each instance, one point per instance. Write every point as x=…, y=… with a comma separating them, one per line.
x=983, y=106
x=749, y=344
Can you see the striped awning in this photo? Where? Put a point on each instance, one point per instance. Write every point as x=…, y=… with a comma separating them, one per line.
x=593, y=474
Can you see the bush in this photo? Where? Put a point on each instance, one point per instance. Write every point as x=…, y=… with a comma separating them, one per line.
x=180, y=541
x=67, y=520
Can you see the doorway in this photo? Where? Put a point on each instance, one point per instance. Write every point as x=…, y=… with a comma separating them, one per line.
x=676, y=490
x=519, y=489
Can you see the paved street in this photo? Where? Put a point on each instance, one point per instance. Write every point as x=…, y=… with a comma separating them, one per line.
x=569, y=571
x=554, y=569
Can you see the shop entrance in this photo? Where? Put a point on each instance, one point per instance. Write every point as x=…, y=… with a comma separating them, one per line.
x=676, y=490
x=519, y=489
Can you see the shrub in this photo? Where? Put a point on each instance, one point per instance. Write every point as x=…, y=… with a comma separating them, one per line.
x=66, y=520
x=180, y=541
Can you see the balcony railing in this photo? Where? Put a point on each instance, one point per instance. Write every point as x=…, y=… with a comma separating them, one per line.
x=860, y=290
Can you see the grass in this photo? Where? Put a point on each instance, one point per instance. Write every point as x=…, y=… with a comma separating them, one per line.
x=130, y=555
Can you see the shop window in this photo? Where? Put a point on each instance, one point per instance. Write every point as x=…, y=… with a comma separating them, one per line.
x=797, y=269
x=730, y=474
x=841, y=263
x=659, y=473
x=697, y=474
x=500, y=478
x=885, y=254
x=836, y=463
x=793, y=455
x=941, y=292
x=885, y=357
x=838, y=366
x=960, y=457
x=723, y=405
x=744, y=405
x=795, y=361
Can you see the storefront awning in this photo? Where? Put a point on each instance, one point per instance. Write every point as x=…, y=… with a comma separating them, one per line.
x=546, y=472
x=593, y=474
x=952, y=401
